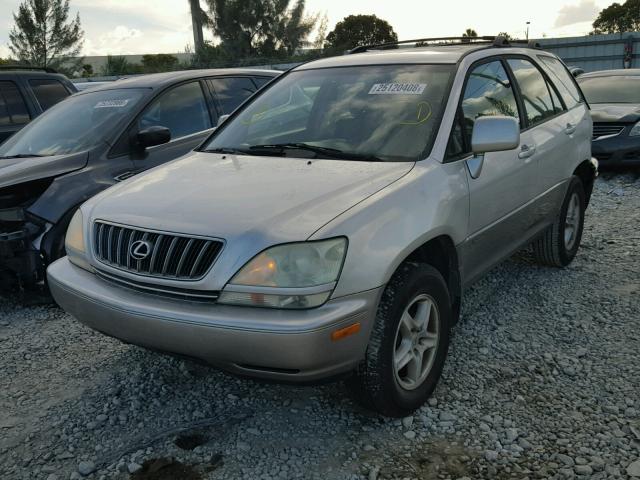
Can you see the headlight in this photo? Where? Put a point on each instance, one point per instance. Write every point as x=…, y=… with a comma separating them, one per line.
x=635, y=131
x=295, y=275
x=74, y=242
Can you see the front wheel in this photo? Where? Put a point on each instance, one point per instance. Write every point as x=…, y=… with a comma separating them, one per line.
x=408, y=344
x=558, y=245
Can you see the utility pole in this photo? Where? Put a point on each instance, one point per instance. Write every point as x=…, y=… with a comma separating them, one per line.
x=196, y=21
x=528, y=23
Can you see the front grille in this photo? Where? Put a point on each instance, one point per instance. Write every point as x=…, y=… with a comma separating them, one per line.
x=607, y=129
x=178, y=257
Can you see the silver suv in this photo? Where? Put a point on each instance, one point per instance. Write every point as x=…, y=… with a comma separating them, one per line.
x=331, y=224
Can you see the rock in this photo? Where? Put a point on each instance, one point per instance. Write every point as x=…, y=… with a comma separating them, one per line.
x=447, y=417
x=511, y=435
x=583, y=469
x=373, y=473
x=491, y=455
x=407, y=422
x=86, y=468
x=410, y=434
x=369, y=448
x=633, y=469
x=253, y=431
x=243, y=446
x=566, y=459
x=133, y=467
x=53, y=476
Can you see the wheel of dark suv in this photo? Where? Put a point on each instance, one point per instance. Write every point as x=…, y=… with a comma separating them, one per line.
x=408, y=344
x=558, y=245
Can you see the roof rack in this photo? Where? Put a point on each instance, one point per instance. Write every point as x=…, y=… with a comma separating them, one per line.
x=498, y=41
x=27, y=67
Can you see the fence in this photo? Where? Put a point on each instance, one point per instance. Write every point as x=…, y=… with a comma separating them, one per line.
x=597, y=52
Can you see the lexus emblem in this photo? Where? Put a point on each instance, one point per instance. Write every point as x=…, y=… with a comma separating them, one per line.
x=140, y=250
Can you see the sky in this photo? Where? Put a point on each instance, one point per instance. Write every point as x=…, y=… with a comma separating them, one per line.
x=120, y=27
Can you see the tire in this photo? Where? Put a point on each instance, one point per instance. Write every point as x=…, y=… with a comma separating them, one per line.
x=553, y=247
x=377, y=384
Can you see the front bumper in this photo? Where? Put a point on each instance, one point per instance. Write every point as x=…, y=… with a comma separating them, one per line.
x=617, y=151
x=19, y=261
x=285, y=345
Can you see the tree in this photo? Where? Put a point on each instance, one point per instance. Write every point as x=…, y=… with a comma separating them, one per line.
x=87, y=70
x=357, y=30
x=43, y=36
x=161, y=62
x=618, y=18
x=116, y=66
x=468, y=34
x=259, y=27
x=197, y=17
x=506, y=36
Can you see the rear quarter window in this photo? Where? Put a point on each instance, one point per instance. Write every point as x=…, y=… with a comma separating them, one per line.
x=562, y=80
x=48, y=92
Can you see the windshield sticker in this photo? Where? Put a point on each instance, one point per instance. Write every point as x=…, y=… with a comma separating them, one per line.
x=112, y=103
x=397, y=89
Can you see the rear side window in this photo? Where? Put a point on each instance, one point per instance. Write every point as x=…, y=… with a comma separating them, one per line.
x=232, y=92
x=488, y=93
x=535, y=92
x=563, y=80
x=13, y=110
x=48, y=92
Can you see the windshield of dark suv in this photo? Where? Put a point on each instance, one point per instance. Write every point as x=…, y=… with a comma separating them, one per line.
x=75, y=124
x=613, y=89
x=371, y=113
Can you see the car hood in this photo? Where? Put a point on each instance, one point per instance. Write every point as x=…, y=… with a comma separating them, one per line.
x=14, y=171
x=263, y=199
x=619, y=113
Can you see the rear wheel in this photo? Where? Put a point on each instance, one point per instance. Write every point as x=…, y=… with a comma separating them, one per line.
x=558, y=245
x=408, y=344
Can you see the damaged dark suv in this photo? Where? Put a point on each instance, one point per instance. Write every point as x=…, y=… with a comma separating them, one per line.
x=95, y=139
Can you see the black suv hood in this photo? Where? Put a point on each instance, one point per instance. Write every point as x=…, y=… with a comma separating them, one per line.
x=615, y=112
x=14, y=171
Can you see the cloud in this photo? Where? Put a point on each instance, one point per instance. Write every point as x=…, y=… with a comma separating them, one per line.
x=585, y=11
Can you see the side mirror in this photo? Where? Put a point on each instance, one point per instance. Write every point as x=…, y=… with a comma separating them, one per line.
x=222, y=119
x=495, y=134
x=152, y=136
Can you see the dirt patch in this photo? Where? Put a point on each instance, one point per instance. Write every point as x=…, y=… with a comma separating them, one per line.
x=189, y=442
x=166, y=469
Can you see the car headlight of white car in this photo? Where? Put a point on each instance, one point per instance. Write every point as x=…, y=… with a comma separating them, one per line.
x=293, y=276
x=635, y=130
x=74, y=243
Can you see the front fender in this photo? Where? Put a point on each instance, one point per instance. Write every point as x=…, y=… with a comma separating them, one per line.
x=383, y=230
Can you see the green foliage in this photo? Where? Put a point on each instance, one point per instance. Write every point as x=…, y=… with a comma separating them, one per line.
x=505, y=35
x=162, y=62
x=87, y=70
x=470, y=33
x=6, y=61
x=43, y=36
x=618, y=18
x=259, y=27
x=356, y=30
x=116, y=65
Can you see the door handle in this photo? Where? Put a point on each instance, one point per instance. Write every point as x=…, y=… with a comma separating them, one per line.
x=571, y=128
x=527, y=151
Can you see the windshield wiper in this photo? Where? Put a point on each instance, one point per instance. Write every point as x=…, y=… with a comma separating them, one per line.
x=228, y=151
x=318, y=150
x=23, y=155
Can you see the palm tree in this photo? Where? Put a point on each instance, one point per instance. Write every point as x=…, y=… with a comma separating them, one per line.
x=196, y=21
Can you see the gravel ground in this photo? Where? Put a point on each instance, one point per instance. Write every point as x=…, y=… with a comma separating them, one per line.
x=542, y=382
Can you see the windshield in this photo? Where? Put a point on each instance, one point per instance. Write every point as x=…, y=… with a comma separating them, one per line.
x=614, y=89
x=75, y=124
x=384, y=113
